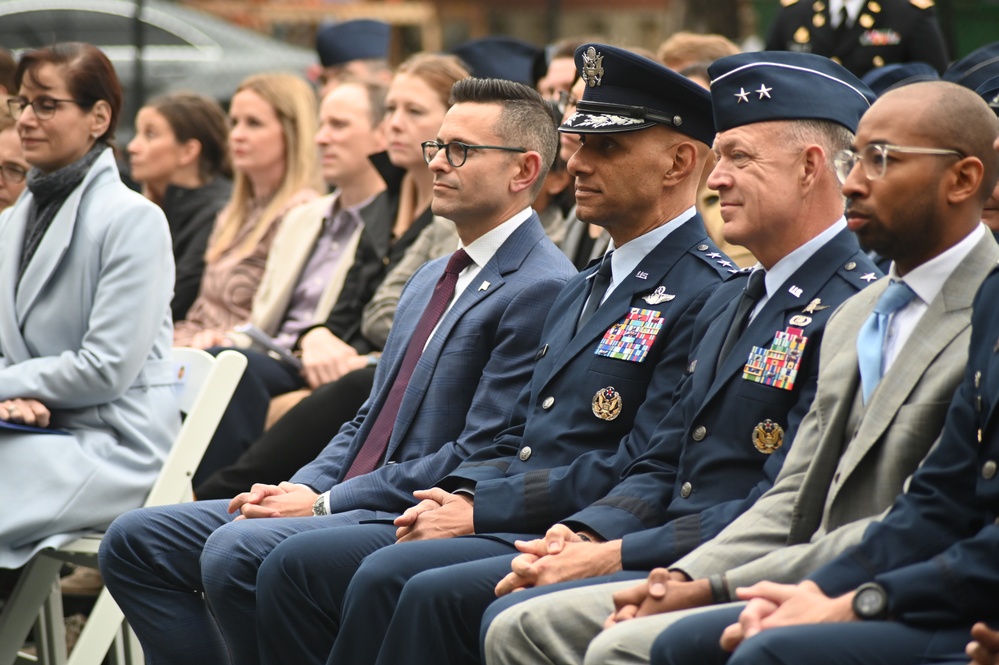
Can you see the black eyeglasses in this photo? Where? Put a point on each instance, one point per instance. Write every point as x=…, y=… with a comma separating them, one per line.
x=565, y=101
x=874, y=158
x=44, y=106
x=12, y=172
x=457, y=152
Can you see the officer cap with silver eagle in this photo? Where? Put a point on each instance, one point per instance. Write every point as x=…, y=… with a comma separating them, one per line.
x=626, y=92
x=785, y=85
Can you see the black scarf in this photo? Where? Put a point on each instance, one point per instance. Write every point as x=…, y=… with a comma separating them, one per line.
x=49, y=191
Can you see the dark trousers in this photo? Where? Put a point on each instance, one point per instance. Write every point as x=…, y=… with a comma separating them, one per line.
x=244, y=418
x=695, y=640
x=157, y=562
x=325, y=601
x=293, y=441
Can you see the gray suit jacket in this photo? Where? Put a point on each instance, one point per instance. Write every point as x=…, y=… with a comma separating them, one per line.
x=837, y=480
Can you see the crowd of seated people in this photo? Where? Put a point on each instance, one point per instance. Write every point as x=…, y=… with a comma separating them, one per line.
x=693, y=349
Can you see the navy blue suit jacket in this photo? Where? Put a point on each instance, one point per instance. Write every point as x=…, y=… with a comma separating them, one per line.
x=701, y=468
x=937, y=551
x=465, y=384
x=554, y=422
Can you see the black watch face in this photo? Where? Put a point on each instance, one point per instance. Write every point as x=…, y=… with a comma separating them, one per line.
x=870, y=603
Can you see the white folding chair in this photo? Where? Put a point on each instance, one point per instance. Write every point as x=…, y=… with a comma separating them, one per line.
x=205, y=386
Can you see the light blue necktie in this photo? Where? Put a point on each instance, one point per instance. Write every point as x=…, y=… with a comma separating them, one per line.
x=871, y=340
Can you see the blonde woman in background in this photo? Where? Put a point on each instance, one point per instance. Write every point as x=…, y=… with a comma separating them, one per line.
x=180, y=157
x=272, y=124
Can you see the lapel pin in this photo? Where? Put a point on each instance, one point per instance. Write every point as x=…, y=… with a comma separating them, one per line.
x=483, y=286
x=796, y=291
x=641, y=274
x=815, y=306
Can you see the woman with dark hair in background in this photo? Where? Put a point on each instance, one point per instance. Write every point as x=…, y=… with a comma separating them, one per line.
x=180, y=157
x=86, y=276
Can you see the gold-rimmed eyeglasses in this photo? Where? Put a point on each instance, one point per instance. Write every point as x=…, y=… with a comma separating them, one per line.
x=874, y=158
x=457, y=152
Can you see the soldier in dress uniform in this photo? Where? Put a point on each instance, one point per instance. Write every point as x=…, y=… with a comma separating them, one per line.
x=623, y=324
x=861, y=35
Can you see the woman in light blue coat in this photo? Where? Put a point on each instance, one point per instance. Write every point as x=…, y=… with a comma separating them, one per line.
x=86, y=278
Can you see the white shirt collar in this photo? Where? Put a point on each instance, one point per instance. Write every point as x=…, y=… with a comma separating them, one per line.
x=927, y=279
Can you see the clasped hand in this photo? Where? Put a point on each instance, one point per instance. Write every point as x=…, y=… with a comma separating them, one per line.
x=284, y=500
x=560, y=556
x=773, y=605
x=439, y=514
x=663, y=591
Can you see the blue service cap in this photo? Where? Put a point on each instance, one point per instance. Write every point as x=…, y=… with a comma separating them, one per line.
x=882, y=79
x=785, y=85
x=989, y=91
x=363, y=39
x=975, y=68
x=626, y=92
x=501, y=58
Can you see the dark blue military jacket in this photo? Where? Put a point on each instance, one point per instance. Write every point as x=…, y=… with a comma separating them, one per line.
x=937, y=551
x=724, y=440
x=579, y=399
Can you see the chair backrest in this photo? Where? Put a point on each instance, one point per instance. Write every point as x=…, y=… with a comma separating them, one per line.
x=205, y=385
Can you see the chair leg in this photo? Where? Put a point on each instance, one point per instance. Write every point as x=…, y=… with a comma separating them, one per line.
x=103, y=626
x=37, y=583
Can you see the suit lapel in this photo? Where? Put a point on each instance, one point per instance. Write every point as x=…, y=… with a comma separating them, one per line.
x=806, y=282
x=656, y=266
x=508, y=258
x=943, y=320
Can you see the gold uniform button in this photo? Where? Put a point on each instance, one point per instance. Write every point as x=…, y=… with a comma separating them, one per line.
x=989, y=470
x=699, y=433
x=525, y=453
x=548, y=403
x=686, y=489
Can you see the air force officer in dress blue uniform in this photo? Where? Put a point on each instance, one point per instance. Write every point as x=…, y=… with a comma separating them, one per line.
x=623, y=322
x=723, y=442
x=464, y=374
x=926, y=202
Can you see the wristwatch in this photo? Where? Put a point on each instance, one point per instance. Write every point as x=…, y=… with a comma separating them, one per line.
x=319, y=507
x=870, y=602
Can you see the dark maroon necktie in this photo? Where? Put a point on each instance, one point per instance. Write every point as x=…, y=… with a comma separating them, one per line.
x=377, y=440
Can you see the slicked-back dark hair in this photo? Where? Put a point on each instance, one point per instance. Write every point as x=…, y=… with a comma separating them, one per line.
x=525, y=120
x=90, y=76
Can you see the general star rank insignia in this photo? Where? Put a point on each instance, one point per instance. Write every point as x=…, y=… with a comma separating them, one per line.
x=658, y=296
x=593, y=67
x=777, y=365
x=607, y=403
x=768, y=436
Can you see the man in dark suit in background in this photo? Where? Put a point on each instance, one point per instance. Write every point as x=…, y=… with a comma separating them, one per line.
x=860, y=34
x=456, y=359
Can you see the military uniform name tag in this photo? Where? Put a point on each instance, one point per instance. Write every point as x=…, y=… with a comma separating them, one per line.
x=777, y=365
x=632, y=338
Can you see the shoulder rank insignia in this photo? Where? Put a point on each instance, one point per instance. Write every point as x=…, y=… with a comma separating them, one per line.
x=768, y=436
x=777, y=365
x=607, y=403
x=658, y=296
x=814, y=306
x=593, y=67
x=869, y=277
